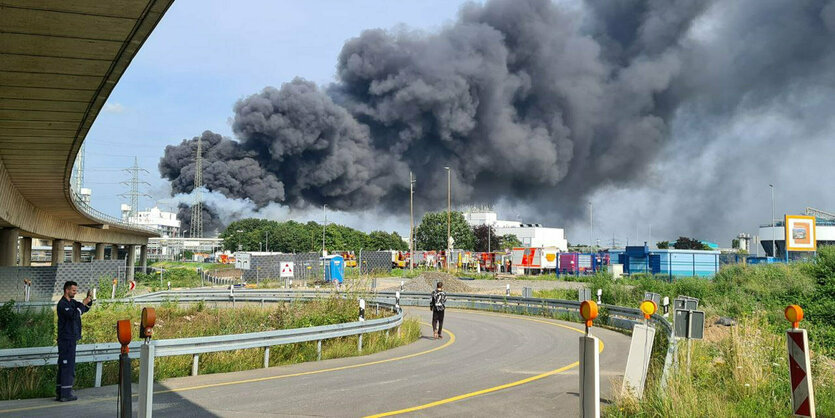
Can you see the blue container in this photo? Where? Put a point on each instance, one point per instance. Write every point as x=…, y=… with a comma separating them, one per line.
x=334, y=268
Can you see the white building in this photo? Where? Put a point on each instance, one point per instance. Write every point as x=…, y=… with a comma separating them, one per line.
x=166, y=248
x=166, y=222
x=531, y=235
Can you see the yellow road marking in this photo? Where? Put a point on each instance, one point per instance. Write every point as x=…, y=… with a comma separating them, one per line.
x=495, y=388
x=260, y=379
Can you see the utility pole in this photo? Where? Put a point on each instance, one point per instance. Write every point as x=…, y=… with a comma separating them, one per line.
x=267, y=241
x=773, y=225
x=448, y=214
x=324, y=227
x=197, y=207
x=411, y=222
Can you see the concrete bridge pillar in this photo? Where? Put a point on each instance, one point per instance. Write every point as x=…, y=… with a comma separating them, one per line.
x=26, y=251
x=76, y=252
x=8, y=246
x=99, y=251
x=130, y=261
x=57, y=252
x=143, y=259
x=114, y=252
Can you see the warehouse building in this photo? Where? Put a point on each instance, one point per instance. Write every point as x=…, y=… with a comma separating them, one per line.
x=531, y=235
x=671, y=263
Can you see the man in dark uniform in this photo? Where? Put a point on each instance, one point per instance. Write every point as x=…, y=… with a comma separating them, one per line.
x=69, y=332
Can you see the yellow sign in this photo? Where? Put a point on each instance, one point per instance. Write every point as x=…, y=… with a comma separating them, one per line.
x=648, y=307
x=794, y=314
x=588, y=310
x=800, y=233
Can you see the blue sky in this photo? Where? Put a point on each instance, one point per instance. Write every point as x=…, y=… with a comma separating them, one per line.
x=205, y=55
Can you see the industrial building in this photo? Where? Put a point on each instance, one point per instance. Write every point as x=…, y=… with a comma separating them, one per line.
x=171, y=248
x=770, y=235
x=672, y=263
x=165, y=222
x=531, y=235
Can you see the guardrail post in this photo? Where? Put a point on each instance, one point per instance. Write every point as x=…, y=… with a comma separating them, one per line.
x=195, y=361
x=266, y=357
x=98, y=375
x=146, y=379
x=319, y=350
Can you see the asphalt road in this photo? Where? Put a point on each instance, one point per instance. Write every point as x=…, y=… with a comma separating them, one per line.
x=487, y=364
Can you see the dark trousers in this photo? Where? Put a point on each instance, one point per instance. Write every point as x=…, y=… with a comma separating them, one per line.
x=66, y=368
x=438, y=321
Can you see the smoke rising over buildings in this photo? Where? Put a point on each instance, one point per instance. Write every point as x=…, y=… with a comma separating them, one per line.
x=525, y=100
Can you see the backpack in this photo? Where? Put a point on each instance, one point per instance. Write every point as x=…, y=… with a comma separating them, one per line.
x=438, y=300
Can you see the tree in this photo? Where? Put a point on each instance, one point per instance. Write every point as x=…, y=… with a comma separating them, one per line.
x=510, y=241
x=482, y=232
x=662, y=245
x=735, y=243
x=685, y=243
x=431, y=234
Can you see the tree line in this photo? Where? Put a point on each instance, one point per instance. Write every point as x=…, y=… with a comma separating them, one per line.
x=291, y=236
x=295, y=237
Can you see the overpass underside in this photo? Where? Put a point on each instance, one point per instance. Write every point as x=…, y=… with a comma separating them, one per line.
x=59, y=62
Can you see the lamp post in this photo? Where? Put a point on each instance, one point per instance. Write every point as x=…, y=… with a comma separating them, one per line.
x=773, y=225
x=324, y=227
x=591, y=224
x=448, y=213
x=411, y=223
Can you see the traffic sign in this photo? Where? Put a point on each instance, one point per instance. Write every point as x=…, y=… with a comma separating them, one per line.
x=286, y=269
x=803, y=396
x=690, y=324
x=242, y=261
x=655, y=297
x=583, y=294
x=132, y=285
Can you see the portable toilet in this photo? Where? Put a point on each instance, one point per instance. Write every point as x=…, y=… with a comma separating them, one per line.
x=334, y=268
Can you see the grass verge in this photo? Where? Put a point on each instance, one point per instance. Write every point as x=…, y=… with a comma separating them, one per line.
x=194, y=321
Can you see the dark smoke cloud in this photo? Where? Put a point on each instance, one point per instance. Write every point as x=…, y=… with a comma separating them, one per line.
x=212, y=222
x=523, y=99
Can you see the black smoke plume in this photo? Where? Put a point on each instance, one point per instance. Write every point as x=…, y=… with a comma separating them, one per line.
x=212, y=223
x=522, y=99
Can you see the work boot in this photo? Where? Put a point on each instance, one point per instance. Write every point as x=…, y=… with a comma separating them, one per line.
x=69, y=398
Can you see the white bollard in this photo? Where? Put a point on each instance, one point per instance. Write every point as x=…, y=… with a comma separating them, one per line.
x=319, y=350
x=507, y=290
x=146, y=380
x=589, y=377
x=599, y=296
x=195, y=361
x=266, y=357
x=169, y=285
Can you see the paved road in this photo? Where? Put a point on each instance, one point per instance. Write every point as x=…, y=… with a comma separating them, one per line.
x=488, y=364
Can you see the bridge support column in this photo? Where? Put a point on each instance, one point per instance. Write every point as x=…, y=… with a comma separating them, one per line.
x=99, y=252
x=114, y=252
x=130, y=262
x=8, y=246
x=143, y=259
x=26, y=251
x=57, y=252
x=76, y=252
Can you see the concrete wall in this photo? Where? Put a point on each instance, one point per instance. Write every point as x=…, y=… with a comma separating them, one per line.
x=48, y=281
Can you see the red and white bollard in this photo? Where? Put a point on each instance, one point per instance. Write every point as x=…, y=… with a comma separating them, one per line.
x=800, y=371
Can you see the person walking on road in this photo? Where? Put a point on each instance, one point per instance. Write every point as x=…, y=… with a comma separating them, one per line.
x=437, y=303
x=69, y=332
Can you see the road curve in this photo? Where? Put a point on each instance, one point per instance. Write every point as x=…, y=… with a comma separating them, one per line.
x=490, y=364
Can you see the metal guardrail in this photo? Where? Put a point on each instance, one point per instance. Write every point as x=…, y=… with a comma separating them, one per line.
x=615, y=316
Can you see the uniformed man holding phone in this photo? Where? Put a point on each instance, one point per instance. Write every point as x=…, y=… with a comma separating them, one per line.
x=69, y=332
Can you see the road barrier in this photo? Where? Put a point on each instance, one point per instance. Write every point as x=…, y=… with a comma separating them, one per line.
x=610, y=315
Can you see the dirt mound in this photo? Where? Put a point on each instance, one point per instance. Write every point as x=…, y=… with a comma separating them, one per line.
x=426, y=283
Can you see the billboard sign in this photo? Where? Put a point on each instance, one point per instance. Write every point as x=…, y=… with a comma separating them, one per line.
x=800, y=233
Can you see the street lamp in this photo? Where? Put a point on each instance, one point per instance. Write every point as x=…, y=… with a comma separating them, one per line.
x=324, y=226
x=591, y=224
x=773, y=225
x=411, y=222
x=448, y=213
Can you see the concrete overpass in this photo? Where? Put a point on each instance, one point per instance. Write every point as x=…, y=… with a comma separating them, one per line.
x=59, y=62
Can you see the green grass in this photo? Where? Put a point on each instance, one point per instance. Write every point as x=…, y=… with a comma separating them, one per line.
x=193, y=321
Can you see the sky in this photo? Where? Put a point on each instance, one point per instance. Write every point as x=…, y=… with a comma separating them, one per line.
x=708, y=179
